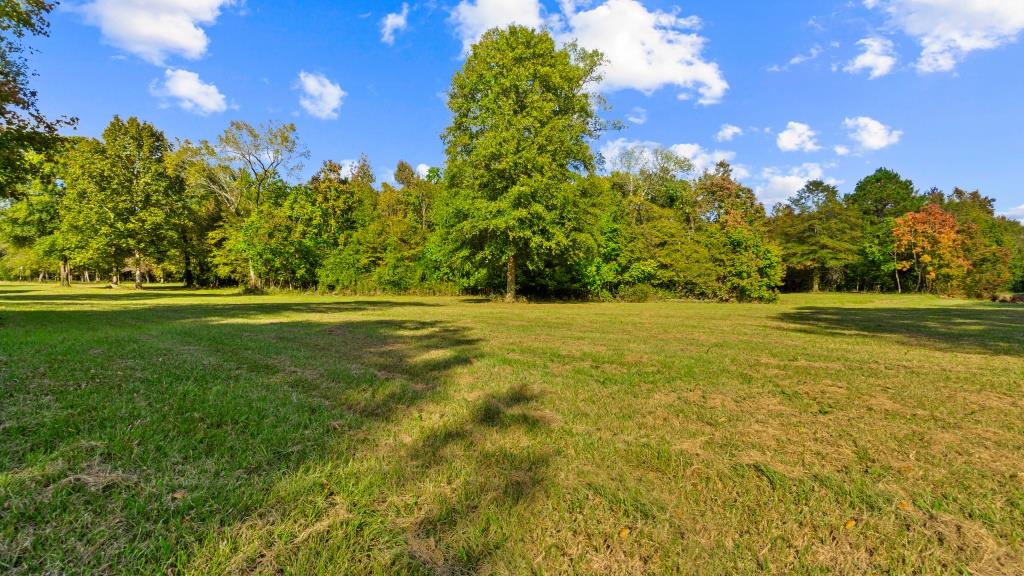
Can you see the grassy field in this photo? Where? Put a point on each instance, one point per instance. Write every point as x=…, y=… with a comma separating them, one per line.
x=167, y=431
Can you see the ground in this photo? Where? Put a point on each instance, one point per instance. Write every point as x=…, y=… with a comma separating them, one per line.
x=168, y=431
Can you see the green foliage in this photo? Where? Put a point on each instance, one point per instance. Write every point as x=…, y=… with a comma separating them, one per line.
x=707, y=241
x=121, y=197
x=885, y=194
x=24, y=130
x=523, y=113
x=819, y=234
x=886, y=236
x=989, y=243
x=637, y=293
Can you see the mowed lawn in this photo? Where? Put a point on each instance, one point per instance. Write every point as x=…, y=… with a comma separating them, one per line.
x=168, y=431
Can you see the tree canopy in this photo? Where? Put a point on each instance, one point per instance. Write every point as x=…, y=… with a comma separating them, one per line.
x=523, y=116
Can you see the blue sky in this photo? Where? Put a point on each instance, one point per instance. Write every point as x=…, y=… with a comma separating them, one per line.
x=784, y=90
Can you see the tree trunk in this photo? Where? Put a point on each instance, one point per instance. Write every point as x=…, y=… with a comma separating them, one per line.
x=190, y=279
x=65, y=272
x=115, y=278
x=816, y=280
x=896, y=269
x=138, y=271
x=253, y=281
x=86, y=277
x=510, y=280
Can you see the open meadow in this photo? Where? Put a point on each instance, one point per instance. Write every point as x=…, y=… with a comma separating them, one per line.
x=171, y=431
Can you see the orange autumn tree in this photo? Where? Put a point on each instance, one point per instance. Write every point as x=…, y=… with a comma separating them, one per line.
x=929, y=243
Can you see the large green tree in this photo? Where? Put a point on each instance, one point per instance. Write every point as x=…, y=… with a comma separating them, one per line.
x=885, y=194
x=33, y=221
x=524, y=112
x=197, y=212
x=819, y=234
x=246, y=167
x=121, y=196
x=989, y=242
x=880, y=198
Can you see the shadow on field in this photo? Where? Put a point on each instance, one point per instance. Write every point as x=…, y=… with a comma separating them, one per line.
x=190, y=415
x=497, y=479
x=105, y=294
x=982, y=329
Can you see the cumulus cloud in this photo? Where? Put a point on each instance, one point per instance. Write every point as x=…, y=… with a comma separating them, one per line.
x=877, y=58
x=474, y=17
x=949, y=30
x=797, y=137
x=704, y=160
x=422, y=170
x=870, y=134
x=842, y=150
x=321, y=98
x=638, y=116
x=392, y=23
x=645, y=50
x=190, y=92
x=779, y=184
x=701, y=158
x=728, y=132
x=155, y=29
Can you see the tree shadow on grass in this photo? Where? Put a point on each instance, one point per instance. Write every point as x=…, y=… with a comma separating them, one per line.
x=460, y=485
x=981, y=329
x=102, y=297
x=501, y=476
x=131, y=435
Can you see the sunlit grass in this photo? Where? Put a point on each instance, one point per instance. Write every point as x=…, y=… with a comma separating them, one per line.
x=207, y=432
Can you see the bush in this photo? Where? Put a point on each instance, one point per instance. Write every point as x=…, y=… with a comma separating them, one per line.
x=637, y=293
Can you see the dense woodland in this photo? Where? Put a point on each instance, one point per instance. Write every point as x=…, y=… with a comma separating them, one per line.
x=522, y=206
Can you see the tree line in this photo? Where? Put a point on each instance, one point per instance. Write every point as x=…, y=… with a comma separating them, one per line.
x=522, y=206
x=887, y=235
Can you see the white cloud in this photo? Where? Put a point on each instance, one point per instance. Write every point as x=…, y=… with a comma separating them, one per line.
x=797, y=137
x=474, y=17
x=701, y=158
x=190, y=92
x=949, y=30
x=799, y=59
x=155, y=29
x=1015, y=213
x=728, y=132
x=613, y=149
x=348, y=167
x=645, y=50
x=780, y=184
x=877, y=58
x=422, y=170
x=842, y=150
x=638, y=116
x=871, y=134
x=392, y=23
x=321, y=98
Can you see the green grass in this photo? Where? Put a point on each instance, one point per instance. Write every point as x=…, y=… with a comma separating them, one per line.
x=168, y=431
